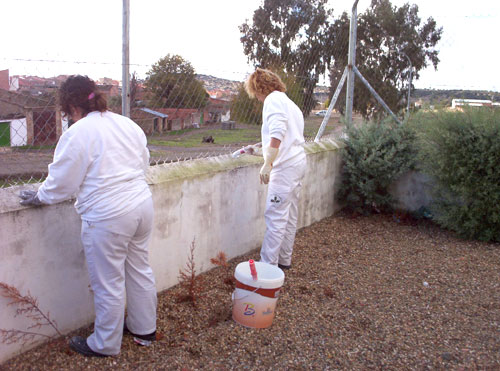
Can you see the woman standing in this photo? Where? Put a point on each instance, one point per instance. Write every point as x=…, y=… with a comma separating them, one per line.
x=102, y=159
x=284, y=164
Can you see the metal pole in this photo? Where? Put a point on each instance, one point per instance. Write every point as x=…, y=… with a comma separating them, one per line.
x=330, y=107
x=409, y=83
x=126, y=60
x=351, y=63
x=375, y=94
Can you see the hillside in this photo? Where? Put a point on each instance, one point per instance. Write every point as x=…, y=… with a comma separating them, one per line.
x=217, y=83
x=444, y=97
x=424, y=96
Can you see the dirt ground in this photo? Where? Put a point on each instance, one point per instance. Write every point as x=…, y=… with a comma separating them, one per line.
x=370, y=292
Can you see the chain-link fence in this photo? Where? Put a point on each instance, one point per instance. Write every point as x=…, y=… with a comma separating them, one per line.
x=188, y=115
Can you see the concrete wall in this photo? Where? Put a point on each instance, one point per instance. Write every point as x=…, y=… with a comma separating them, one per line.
x=412, y=191
x=218, y=202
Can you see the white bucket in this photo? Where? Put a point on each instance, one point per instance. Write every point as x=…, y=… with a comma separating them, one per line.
x=254, y=301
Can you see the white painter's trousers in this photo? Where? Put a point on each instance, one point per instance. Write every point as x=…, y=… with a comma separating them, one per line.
x=119, y=271
x=281, y=214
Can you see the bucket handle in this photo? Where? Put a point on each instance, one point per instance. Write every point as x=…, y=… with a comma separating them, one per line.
x=270, y=293
x=251, y=292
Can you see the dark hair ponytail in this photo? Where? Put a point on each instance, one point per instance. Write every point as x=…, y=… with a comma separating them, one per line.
x=80, y=91
x=97, y=102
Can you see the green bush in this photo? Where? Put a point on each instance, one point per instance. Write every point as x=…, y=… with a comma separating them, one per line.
x=374, y=156
x=461, y=152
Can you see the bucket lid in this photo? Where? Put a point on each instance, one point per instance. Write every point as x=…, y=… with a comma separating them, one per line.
x=268, y=276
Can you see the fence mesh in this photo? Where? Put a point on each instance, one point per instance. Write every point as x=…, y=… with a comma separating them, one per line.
x=187, y=114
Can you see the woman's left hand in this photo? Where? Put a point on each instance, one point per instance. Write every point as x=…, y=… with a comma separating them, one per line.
x=29, y=198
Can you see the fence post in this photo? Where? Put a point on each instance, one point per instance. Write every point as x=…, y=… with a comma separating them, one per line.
x=351, y=62
x=375, y=94
x=126, y=59
x=409, y=84
x=330, y=107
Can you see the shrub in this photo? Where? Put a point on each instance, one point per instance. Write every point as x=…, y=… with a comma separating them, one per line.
x=461, y=152
x=374, y=156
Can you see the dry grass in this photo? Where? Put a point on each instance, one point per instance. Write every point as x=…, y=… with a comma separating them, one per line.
x=354, y=299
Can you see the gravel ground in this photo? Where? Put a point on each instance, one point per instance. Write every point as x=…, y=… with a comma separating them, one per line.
x=363, y=293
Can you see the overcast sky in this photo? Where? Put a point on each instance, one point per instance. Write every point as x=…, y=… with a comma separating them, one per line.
x=86, y=37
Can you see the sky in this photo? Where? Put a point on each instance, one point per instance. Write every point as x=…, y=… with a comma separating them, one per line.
x=53, y=37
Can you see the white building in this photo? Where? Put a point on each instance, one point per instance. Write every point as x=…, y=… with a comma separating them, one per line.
x=472, y=102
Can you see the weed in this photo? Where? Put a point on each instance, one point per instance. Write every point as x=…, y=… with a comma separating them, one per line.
x=221, y=261
x=188, y=280
x=27, y=306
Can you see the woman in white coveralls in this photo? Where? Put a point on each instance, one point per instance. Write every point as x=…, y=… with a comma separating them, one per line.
x=284, y=164
x=102, y=159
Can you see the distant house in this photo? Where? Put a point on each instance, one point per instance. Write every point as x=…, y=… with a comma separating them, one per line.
x=4, y=79
x=217, y=110
x=181, y=118
x=149, y=120
x=456, y=103
x=33, y=85
x=221, y=94
x=109, y=90
x=107, y=81
x=33, y=120
x=159, y=120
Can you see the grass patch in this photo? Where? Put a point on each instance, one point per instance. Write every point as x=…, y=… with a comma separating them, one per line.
x=220, y=136
x=312, y=124
x=4, y=134
x=192, y=138
x=28, y=147
x=172, y=133
x=156, y=154
x=6, y=183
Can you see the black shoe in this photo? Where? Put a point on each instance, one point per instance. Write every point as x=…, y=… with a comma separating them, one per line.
x=285, y=267
x=79, y=345
x=147, y=337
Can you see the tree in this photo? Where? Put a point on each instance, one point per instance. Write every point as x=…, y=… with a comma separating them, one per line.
x=290, y=35
x=115, y=103
x=134, y=89
x=244, y=109
x=248, y=110
x=172, y=82
x=386, y=37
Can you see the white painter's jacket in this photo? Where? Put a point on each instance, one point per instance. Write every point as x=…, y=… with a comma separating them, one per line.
x=283, y=120
x=101, y=160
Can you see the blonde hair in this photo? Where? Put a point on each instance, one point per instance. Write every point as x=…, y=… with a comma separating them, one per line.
x=263, y=82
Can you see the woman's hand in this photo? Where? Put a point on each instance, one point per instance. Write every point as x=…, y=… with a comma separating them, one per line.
x=29, y=198
x=270, y=154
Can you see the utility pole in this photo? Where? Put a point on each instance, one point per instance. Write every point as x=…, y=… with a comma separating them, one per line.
x=126, y=59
